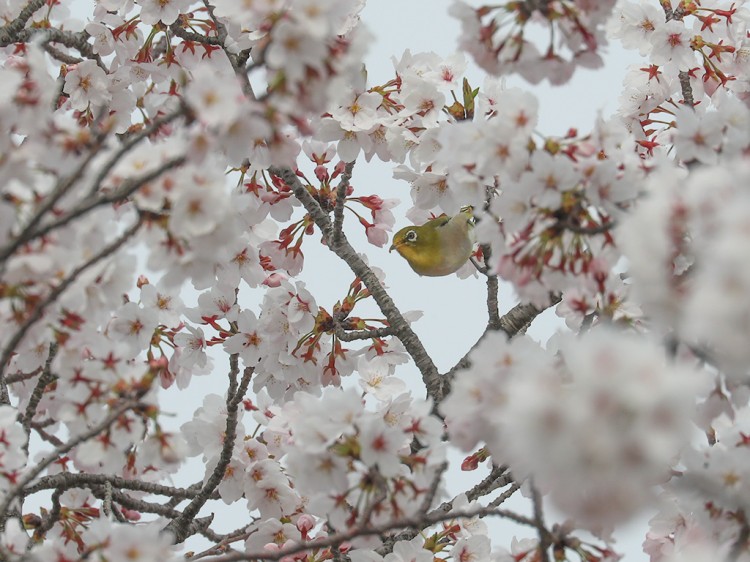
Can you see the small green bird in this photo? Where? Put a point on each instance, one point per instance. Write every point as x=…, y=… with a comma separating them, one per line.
x=438, y=247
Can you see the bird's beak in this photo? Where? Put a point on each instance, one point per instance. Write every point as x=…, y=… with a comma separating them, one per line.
x=393, y=247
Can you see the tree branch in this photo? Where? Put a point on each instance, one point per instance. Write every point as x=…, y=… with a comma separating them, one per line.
x=677, y=14
x=740, y=543
x=353, y=335
x=37, y=393
x=9, y=32
x=370, y=530
x=493, y=312
x=180, y=527
x=60, y=288
x=36, y=314
x=544, y=535
x=338, y=210
x=18, y=489
x=513, y=322
x=63, y=187
x=67, y=480
x=344, y=250
x=497, y=478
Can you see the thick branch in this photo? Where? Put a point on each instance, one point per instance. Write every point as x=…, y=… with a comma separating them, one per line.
x=344, y=250
x=513, y=322
x=74, y=40
x=9, y=33
x=493, y=312
x=66, y=480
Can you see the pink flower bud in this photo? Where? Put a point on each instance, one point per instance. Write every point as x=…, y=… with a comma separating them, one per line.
x=305, y=523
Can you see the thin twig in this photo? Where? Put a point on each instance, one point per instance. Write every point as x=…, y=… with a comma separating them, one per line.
x=50, y=518
x=64, y=185
x=434, y=486
x=36, y=394
x=132, y=141
x=502, y=498
x=180, y=527
x=32, y=231
x=48, y=437
x=677, y=14
x=544, y=535
x=127, y=189
x=381, y=493
x=222, y=546
x=589, y=230
x=187, y=35
x=353, y=335
x=497, y=478
x=20, y=377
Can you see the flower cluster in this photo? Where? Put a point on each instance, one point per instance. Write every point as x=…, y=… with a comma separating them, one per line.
x=497, y=36
x=703, y=45
x=106, y=539
x=691, y=273
x=595, y=426
x=686, y=520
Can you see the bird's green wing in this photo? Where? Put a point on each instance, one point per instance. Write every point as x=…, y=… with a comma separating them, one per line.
x=438, y=222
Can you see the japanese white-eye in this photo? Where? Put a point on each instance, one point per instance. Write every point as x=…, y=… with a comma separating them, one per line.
x=438, y=247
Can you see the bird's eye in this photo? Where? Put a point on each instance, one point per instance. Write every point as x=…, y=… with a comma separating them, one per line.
x=411, y=236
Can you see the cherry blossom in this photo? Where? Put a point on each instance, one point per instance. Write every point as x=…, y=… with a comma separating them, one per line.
x=166, y=12
x=87, y=85
x=177, y=176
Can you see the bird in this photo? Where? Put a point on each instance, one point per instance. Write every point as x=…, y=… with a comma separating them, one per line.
x=440, y=246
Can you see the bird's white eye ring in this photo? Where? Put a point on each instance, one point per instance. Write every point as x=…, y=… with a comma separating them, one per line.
x=411, y=236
